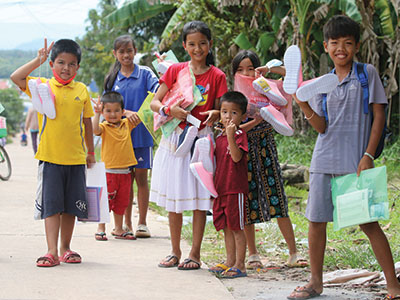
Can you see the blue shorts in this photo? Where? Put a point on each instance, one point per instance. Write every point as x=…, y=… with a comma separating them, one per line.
x=144, y=157
x=319, y=204
x=62, y=189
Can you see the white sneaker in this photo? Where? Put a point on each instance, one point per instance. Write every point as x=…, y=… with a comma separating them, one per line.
x=186, y=140
x=36, y=100
x=48, y=99
x=274, y=63
x=320, y=85
x=292, y=62
x=277, y=120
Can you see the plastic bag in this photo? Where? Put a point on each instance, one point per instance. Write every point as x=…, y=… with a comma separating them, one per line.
x=182, y=89
x=360, y=200
x=244, y=84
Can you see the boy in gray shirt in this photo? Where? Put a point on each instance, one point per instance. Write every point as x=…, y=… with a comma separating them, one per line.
x=346, y=144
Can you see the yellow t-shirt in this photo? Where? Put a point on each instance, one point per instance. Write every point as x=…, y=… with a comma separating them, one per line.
x=116, y=145
x=62, y=139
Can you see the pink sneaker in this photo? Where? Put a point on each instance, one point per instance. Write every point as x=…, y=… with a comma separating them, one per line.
x=204, y=152
x=37, y=102
x=186, y=140
x=48, y=100
x=276, y=119
x=292, y=62
x=206, y=178
x=320, y=85
x=274, y=94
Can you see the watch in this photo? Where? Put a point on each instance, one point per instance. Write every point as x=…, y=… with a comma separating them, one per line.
x=161, y=110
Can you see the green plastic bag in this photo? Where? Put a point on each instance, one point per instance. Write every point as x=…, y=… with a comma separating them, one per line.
x=360, y=200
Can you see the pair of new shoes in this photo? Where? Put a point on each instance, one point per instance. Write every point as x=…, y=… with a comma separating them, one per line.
x=272, y=90
x=43, y=99
x=293, y=81
x=203, y=163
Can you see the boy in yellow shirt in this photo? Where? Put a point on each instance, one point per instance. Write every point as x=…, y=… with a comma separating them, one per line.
x=62, y=154
x=117, y=155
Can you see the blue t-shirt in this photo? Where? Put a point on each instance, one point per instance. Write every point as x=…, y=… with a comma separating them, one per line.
x=134, y=90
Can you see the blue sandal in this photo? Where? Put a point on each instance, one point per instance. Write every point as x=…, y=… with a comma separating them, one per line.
x=237, y=275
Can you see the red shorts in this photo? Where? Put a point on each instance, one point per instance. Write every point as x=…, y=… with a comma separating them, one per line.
x=119, y=188
x=228, y=211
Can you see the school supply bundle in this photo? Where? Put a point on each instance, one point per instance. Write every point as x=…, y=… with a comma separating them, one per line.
x=362, y=75
x=164, y=61
x=146, y=116
x=96, y=191
x=184, y=89
x=360, y=199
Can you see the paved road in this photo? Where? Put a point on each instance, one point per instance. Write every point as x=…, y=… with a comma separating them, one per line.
x=115, y=269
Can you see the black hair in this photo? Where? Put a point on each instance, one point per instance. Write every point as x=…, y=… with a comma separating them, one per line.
x=66, y=46
x=199, y=26
x=341, y=26
x=112, y=97
x=235, y=97
x=119, y=42
x=242, y=55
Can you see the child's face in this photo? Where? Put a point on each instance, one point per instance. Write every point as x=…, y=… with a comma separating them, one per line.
x=197, y=46
x=342, y=50
x=112, y=112
x=246, y=68
x=125, y=54
x=65, y=65
x=231, y=112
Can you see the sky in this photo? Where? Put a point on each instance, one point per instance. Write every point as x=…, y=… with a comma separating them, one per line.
x=22, y=22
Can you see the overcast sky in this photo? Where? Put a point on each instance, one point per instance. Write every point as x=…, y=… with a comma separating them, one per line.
x=24, y=21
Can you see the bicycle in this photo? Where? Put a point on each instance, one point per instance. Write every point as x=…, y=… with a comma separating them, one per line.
x=5, y=162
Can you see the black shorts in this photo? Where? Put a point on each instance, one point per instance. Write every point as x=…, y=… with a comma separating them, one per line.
x=61, y=189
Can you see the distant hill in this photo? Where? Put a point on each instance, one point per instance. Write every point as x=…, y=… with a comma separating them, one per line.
x=33, y=45
x=10, y=60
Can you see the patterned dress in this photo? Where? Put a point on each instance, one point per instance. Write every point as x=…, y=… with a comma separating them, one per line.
x=267, y=198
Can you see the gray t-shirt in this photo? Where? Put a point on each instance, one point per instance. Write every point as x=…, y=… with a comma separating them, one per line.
x=341, y=147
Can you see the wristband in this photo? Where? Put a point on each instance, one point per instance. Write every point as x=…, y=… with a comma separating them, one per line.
x=309, y=118
x=161, y=111
x=369, y=155
x=91, y=153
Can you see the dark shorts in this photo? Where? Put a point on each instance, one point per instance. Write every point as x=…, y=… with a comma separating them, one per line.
x=144, y=157
x=119, y=188
x=228, y=211
x=62, y=189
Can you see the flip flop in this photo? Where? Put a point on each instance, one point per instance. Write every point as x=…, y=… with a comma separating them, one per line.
x=296, y=262
x=188, y=261
x=142, y=231
x=125, y=236
x=311, y=293
x=235, y=270
x=68, y=255
x=392, y=297
x=254, y=262
x=167, y=259
x=47, y=258
x=100, y=236
x=218, y=269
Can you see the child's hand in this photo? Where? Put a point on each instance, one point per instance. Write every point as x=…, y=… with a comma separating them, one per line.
x=43, y=53
x=90, y=160
x=213, y=116
x=98, y=106
x=178, y=112
x=133, y=117
x=230, y=128
x=264, y=70
x=364, y=164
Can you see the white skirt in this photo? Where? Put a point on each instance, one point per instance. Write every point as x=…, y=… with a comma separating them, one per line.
x=173, y=186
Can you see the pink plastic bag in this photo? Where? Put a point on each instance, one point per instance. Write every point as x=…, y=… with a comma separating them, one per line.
x=244, y=84
x=182, y=89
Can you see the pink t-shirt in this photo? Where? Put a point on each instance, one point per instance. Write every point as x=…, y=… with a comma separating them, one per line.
x=212, y=85
x=231, y=177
